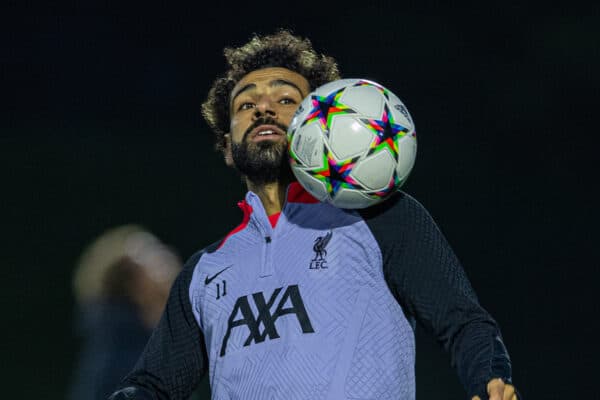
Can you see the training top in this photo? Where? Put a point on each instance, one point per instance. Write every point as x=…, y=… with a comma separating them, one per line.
x=321, y=306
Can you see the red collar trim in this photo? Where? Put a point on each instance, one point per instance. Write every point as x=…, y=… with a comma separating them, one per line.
x=274, y=218
x=247, y=210
x=297, y=194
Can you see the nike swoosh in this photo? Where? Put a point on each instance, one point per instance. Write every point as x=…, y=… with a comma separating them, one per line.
x=209, y=280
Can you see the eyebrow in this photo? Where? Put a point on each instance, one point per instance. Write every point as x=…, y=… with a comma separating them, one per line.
x=273, y=83
x=283, y=82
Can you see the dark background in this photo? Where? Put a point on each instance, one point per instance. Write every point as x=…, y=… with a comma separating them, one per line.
x=101, y=126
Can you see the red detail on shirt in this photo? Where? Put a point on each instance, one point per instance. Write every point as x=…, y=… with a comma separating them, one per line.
x=274, y=218
x=247, y=209
x=297, y=194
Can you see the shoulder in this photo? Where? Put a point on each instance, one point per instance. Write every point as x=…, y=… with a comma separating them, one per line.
x=194, y=258
x=400, y=219
x=192, y=262
x=399, y=208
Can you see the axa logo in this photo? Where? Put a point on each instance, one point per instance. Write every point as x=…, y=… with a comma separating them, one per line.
x=320, y=250
x=247, y=320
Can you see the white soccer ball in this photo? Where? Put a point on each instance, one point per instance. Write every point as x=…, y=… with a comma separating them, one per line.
x=352, y=143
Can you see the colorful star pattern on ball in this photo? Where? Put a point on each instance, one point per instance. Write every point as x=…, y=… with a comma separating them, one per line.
x=377, y=86
x=325, y=108
x=387, y=132
x=335, y=174
x=389, y=189
x=293, y=158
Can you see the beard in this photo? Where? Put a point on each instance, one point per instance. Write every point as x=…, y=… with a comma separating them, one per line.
x=262, y=162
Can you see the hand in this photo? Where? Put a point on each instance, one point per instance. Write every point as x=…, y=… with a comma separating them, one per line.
x=498, y=390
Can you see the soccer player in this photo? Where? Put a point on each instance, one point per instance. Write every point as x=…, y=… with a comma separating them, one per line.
x=304, y=300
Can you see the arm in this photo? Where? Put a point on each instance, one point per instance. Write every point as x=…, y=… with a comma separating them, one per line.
x=425, y=276
x=174, y=359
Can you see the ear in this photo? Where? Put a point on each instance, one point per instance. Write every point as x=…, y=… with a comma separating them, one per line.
x=227, y=155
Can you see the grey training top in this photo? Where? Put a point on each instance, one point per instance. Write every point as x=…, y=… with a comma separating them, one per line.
x=322, y=306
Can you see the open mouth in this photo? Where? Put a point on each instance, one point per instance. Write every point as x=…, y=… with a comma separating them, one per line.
x=266, y=132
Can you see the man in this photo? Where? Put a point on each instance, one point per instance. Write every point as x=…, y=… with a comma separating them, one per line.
x=304, y=300
x=121, y=284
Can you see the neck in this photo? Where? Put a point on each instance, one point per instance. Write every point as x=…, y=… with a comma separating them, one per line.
x=272, y=195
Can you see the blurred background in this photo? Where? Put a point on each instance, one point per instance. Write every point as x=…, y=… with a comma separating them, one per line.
x=101, y=127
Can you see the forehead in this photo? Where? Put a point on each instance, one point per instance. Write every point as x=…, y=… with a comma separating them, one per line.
x=263, y=77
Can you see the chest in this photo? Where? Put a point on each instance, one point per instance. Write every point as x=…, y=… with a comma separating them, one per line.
x=306, y=281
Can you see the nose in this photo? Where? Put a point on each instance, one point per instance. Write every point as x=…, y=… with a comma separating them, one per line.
x=265, y=107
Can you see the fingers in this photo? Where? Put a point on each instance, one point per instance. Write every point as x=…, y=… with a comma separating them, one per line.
x=498, y=390
x=495, y=389
x=509, y=392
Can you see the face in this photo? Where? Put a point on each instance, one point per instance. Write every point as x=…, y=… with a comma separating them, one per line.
x=262, y=106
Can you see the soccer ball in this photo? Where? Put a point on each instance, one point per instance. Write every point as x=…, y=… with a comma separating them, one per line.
x=352, y=143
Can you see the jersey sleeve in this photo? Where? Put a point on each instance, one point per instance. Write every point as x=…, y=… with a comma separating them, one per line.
x=428, y=281
x=174, y=359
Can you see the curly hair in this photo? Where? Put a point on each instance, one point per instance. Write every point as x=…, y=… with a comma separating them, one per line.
x=281, y=49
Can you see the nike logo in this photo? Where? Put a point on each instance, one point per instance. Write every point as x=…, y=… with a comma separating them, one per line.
x=210, y=279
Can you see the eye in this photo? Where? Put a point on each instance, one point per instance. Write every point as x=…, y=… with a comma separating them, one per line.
x=245, y=106
x=287, y=100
